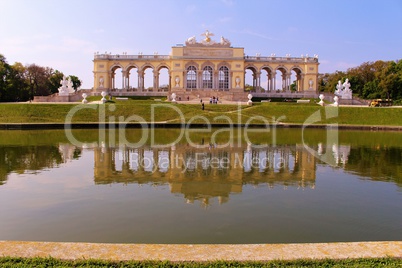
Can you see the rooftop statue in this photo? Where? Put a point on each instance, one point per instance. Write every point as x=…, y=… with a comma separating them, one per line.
x=208, y=40
x=207, y=35
x=191, y=41
x=225, y=41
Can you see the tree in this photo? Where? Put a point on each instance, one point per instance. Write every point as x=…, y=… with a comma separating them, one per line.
x=20, y=85
x=293, y=87
x=54, y=81
x=380, y=79
x=12, y=81
x=248, y=87
x=76, y=82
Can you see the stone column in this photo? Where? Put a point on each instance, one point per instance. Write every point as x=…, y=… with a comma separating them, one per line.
x=156, y=80
x=284, y=82
x=258, y=80
x=140, y=80
x=302, y=82
x=128, y=79
x=109, y=83
x=271, y=82
x=112, y=80
x=230, y=81
x=199, y=79
x=215, y=79
x=123, y=73
x=298, y=78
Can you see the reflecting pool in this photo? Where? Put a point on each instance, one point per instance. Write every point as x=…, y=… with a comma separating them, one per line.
x=279, y=185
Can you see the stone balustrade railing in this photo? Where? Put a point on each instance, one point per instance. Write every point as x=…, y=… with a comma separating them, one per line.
x=281, y=59
x=129, y=57
x=247, y=58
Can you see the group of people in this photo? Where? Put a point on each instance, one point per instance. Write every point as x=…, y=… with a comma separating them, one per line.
x=212, y=100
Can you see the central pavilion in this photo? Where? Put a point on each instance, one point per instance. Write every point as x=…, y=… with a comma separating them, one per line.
x=206, y=68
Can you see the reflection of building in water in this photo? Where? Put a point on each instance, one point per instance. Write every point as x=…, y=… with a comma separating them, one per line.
x=341, y=153
x=201, y=174
x=68, y=152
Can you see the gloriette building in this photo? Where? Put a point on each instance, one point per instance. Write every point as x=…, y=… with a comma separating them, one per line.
x=206, y=68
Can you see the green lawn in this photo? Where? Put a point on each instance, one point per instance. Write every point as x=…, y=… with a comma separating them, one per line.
x=162, y=111
x=51, y=262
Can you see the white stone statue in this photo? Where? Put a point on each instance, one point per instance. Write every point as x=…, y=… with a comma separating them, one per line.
x=343, y=90
x=191, y=41
x=225, y=41
x=346, y=86
x=339, y=88
x=177, y=80
x=310, y=83
x=101, y=82
x=70, y=85
x=237, y=82
x=63, y=90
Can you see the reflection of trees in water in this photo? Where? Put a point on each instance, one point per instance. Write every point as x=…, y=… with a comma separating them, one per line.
x=377, y=163
x=21, y=159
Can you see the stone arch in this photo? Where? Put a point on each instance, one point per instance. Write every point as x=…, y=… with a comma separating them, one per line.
x=255, y=76
x=192, y=63
x=146, y=66
x=208, y=63
x=116, y=66
x=144, y=82
x=132, y=77
x=116, y=82
x=223, y=63
x=131, y=66
x=267, y=75
x=282, y=84
x=161, y=77
x=298, y=78
x=161, y=66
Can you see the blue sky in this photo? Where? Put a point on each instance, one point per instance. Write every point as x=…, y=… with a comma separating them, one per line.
x=64, y=34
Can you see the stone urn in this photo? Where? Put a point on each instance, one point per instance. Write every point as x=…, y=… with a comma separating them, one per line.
x=84, y=98
x=336, y=104
x=249, y=102
x=173, y=97
x=103, y=96
x=321, y=97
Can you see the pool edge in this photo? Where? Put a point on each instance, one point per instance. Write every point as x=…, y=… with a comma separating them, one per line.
x=201, y=252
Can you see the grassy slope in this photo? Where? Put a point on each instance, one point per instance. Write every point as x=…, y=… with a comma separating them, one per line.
x=149, y=110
